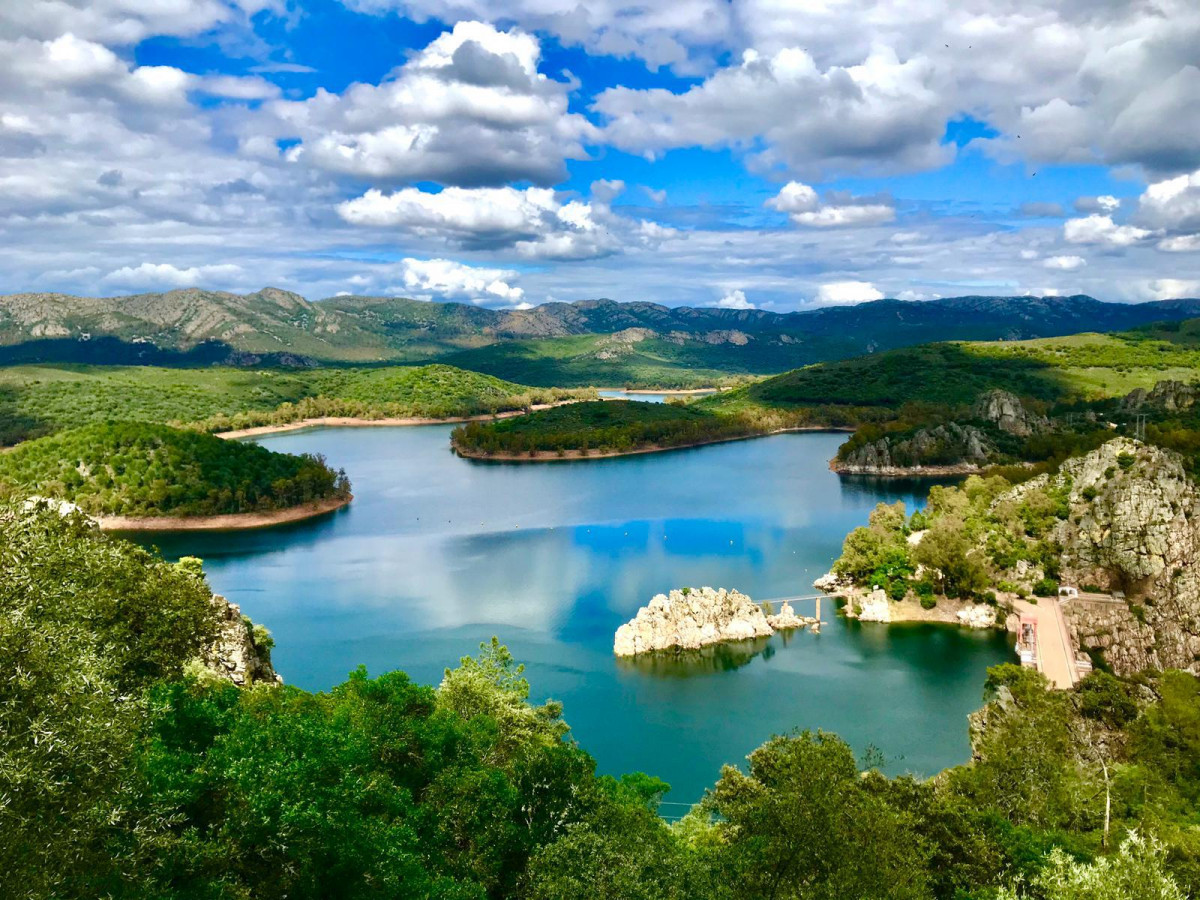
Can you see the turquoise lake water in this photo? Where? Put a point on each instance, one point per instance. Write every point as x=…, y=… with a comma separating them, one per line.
x=437, y=553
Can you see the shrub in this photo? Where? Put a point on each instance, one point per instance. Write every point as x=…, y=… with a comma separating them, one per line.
x=1047, y=587
x=1126, y=460
x=928, y=602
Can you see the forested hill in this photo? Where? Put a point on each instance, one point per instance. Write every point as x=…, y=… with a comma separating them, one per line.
x=138, y=469
x=555, y=343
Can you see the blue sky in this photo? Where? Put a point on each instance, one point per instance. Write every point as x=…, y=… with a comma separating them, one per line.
x=769, y=153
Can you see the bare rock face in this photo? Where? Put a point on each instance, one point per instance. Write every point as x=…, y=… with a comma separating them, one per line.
x=1008, y=413
x=1133, y=527
x=978, y=615
x=1170, y=396
x=874, y=607
x=691, y=618
x=950, y=444
x=242, y=650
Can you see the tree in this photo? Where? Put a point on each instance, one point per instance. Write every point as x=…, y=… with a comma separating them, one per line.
x=1137, y=872
x=801, y=824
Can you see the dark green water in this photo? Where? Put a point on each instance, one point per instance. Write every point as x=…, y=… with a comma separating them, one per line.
x=437, y=554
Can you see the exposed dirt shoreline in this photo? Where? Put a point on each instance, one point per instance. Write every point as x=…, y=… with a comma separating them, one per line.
x=235, y=522
x=351, y=422
x=907, y=471
x=574, y=455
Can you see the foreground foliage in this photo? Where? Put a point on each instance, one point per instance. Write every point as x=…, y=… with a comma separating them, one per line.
x=123, y=775
x=138, y=469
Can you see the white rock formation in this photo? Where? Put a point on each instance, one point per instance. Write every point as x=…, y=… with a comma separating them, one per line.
x=978, y=615
x=874, y=607
x=830, y=582
x=691, y=618
x=786, y=619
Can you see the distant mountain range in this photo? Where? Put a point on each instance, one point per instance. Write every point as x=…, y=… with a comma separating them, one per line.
x=593, y=341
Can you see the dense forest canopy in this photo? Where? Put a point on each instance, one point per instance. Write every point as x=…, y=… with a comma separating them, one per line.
x=139, y=469
x=39, y=400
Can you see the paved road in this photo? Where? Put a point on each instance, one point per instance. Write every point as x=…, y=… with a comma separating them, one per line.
x=1057, y=662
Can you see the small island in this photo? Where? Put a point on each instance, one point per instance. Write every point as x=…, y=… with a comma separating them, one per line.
x=595, y=429
x=691, y=618
x=134, y=476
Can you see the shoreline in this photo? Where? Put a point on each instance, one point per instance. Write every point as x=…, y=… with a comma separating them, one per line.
x=352, y=422
x=906, y=471
x=579, y=455
x=680, y=391
x=228, y=522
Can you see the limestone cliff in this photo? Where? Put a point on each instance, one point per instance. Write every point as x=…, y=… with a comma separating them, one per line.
x=1168, y=396
x=1133, y=528
x=1008, y=413
x=692, y=618
x=242, y=650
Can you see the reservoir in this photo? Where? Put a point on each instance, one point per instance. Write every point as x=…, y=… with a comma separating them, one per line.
x=437, y=554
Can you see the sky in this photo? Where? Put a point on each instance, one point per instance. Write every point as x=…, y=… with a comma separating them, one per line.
x=771, y=154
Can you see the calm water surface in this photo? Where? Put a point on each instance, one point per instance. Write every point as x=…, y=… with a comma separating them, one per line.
x=437, y=554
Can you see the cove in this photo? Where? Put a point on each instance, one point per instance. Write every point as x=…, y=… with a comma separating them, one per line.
x=437, y=554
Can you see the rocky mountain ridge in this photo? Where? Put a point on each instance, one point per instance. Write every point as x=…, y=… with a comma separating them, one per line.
x=273, y=326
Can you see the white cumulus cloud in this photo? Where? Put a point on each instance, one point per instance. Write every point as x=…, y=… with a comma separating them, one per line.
x=842, y=293
x=804, y=207
x=1102, y=230
x=735, y=299
x=1064, y=263
x=151, y=276
x=452, y=280
x=471, y=109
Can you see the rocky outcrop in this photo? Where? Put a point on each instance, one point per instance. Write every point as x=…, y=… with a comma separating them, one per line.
x=977, y=615
x=873, y=607
x=1008, y=413
x=242, y=650
x=962, y=448
x=1167, y=396
x=1133, y=527
x=691, y=618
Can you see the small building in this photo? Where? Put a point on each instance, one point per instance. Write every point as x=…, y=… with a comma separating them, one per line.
x=1027, y=641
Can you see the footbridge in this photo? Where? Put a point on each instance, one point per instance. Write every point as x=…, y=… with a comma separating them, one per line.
x=775, y=604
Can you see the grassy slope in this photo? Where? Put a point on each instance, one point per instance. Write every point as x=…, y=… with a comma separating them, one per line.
x=599, y=360
x=140, y=469
x=930, y=382
x=1084, y=367
x=37, y=400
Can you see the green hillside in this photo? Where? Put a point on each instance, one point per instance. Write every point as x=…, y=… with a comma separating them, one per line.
x=139, y=469
x=39, y=400
x=1065, y=370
